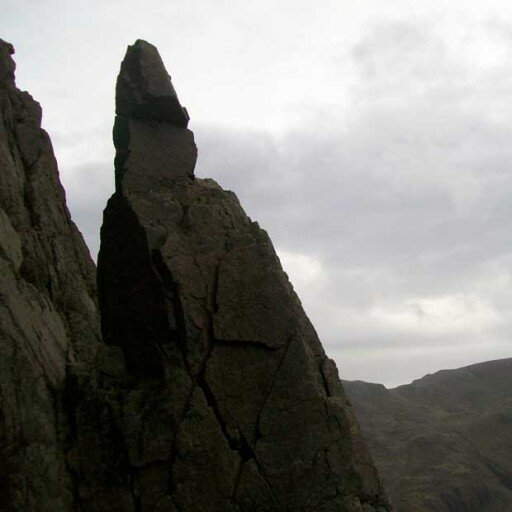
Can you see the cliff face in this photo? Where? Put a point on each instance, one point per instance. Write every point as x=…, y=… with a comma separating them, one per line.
x=49, y=323
x=443, y=442
x=210, y=390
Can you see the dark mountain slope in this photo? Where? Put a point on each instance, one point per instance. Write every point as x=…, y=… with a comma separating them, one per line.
x=443, y=442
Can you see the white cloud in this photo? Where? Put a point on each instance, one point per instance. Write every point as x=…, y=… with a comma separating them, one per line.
x=303, y=270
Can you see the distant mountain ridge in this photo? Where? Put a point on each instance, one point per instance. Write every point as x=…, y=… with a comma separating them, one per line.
x=444, y=442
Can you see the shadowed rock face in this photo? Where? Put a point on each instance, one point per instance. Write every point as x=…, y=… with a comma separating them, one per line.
x=49, y=325
x=251, y=413
x=443, y=442
x=208, y=389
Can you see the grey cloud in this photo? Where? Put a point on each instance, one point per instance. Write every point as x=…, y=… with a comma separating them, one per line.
x=408, y=198
x=403, y=198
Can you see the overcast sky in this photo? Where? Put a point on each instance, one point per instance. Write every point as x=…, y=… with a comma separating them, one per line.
x=373, y=140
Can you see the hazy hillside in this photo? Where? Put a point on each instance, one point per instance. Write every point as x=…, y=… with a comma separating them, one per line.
x=444, y=442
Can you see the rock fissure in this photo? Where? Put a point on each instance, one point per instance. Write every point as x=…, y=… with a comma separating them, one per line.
x=247, y=343
x=321, y=361
x=173, y=302
x=236, y=445
x=271, y=388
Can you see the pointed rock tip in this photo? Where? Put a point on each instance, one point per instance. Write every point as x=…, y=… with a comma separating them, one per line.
x=144, y=89
x=7, y=65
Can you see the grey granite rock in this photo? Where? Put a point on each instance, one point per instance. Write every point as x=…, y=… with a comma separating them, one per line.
x=229, y=401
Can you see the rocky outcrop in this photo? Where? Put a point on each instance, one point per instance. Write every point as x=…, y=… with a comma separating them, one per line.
x=443, y=442
x=49, y=325
x=205, y=387
x=251, y=413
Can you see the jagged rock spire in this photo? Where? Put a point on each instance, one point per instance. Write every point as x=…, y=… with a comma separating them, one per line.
x=230, y=401
x=150, y=124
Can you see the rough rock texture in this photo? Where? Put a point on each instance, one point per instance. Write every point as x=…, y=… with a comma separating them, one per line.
x=210, y=390
x=49, y=325
x=227, y=401
x=443, y=443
